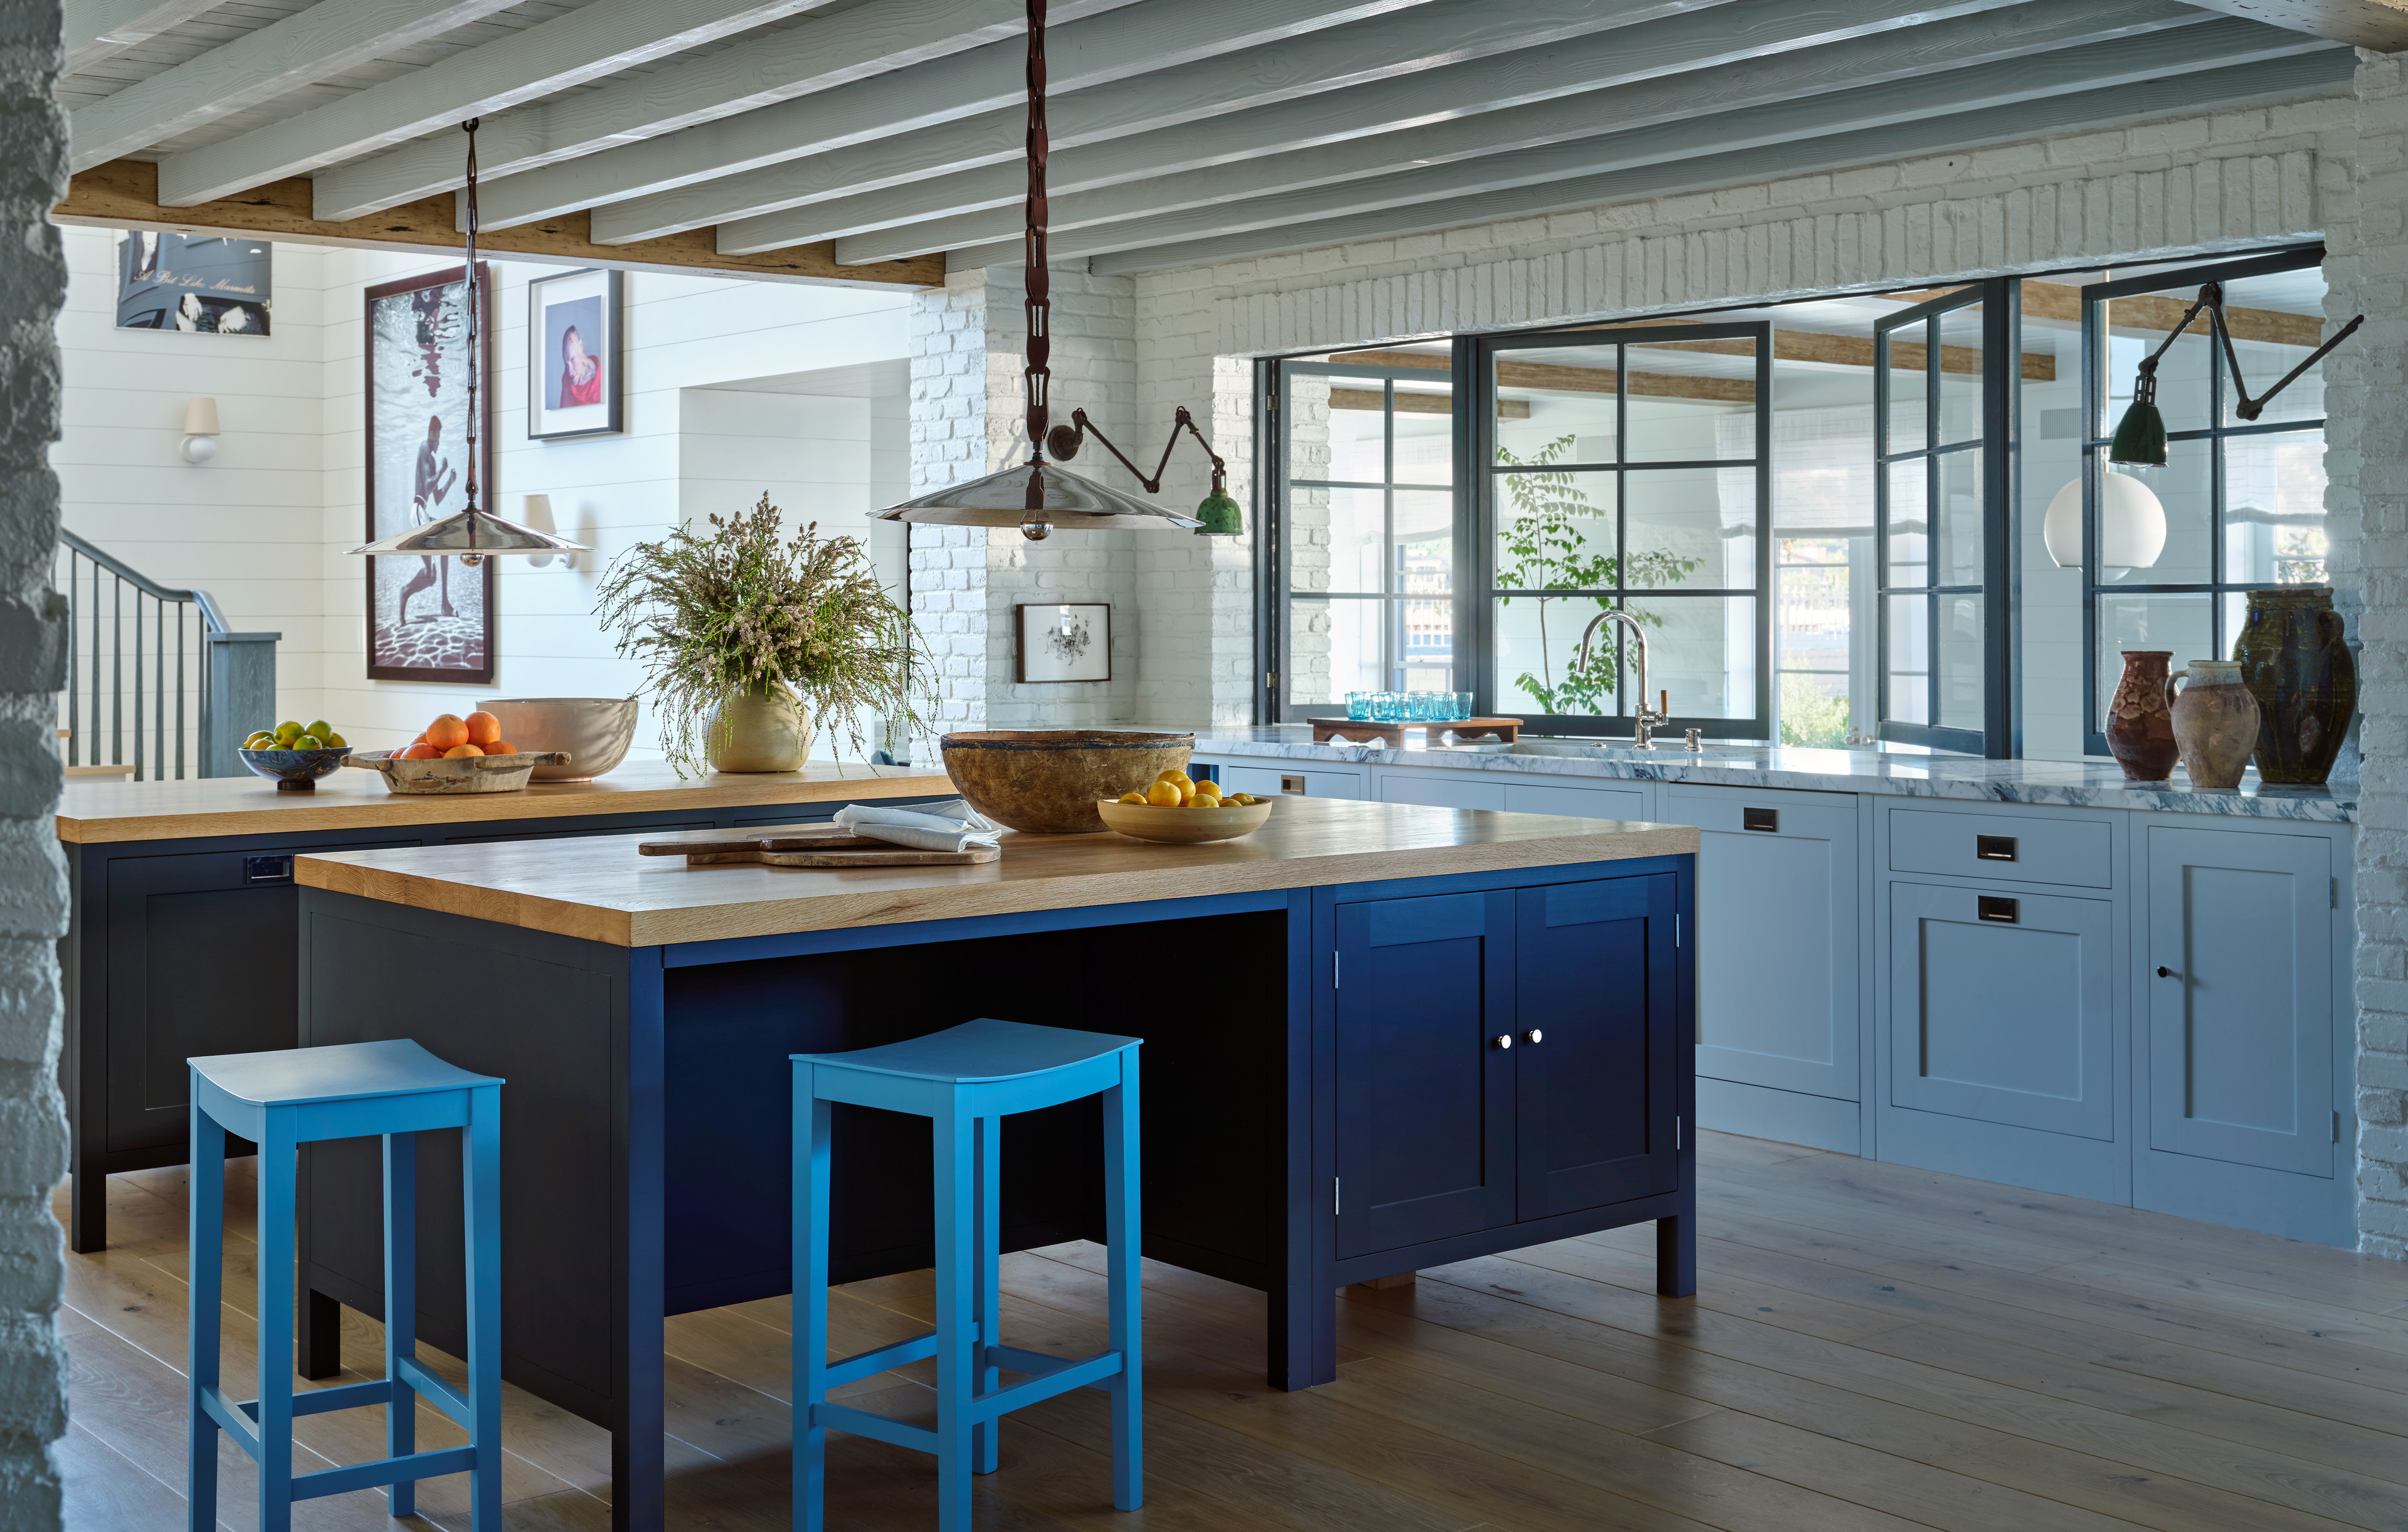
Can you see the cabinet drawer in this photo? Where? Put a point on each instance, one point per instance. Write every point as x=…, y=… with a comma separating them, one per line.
x=1272, y=781
x=1577, y=802
x=1472, y=791
x=2019, y=848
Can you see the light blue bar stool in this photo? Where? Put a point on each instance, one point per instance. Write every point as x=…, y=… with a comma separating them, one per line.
x=966, y=1080
x=291, y=1097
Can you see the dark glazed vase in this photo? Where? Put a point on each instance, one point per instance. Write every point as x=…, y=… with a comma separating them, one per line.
x=2139, y=718
x=2294, y=662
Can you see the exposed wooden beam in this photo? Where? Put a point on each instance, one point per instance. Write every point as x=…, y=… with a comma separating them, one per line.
x=965, y=206
x=2379, y=25
x=92, y=30
x=1419, y=404
x=2160, y=313
x=1558, y=379
x=284, y=56
x=2273, y=79
x=124, y=194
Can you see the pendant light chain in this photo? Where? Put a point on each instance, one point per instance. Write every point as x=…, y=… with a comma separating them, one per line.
x=1036, y=377
x=474, y=294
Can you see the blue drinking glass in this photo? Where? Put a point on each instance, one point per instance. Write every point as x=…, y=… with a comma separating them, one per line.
x=1359, y=706
x=1462, y=709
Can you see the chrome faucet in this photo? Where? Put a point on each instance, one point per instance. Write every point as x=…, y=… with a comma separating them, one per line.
x=1643, y=721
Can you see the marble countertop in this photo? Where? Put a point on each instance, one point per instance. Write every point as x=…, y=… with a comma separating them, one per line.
x=2083, y=784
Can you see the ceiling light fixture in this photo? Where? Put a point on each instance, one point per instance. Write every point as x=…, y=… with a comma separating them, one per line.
x=1039, y=496
x=472, y=534
x=2141, y=435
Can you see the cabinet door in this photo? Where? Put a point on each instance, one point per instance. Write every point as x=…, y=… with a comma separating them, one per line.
x=2001, y=1009
x=1470, y=790
x=1424, y=1098
x=1596, y=1095
x=2240, y=1038
x=1778, y=998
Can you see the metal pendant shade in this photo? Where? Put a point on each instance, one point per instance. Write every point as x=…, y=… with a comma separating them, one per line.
x=1036, y=492
x=472, y=534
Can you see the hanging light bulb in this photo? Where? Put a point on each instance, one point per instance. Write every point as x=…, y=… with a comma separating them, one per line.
x=2131, y=527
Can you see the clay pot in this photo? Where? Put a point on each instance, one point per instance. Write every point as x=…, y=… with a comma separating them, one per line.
x=2295, y=662
x=2216, y=724
x=758, y=731
x=2139, y=718
x=1047, y=781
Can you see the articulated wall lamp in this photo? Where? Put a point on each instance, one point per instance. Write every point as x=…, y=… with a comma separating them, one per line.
x=2140, y=435
x=1036, y=495
x=1217, y=515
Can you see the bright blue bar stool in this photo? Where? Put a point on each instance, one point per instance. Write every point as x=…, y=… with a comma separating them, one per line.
x=291, y=1097
x=966, y=1080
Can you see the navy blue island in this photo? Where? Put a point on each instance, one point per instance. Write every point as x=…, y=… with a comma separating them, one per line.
x=1377, y=1038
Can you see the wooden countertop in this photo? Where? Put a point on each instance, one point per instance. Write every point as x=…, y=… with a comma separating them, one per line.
x=598, y=888
x=354, y=798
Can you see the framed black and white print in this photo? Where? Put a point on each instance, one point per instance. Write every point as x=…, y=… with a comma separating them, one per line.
x=1070, y=641
x=574, y=387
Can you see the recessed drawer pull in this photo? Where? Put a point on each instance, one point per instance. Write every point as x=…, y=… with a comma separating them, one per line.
x=1993, y=847
x=267, y=870
x=1992, y=908
x=1293, y=784
x=1760, y=819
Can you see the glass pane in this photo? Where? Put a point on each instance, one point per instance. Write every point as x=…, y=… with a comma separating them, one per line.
x=2274, y=510
x=1958, y=530
x=1908, y=357
x=1960, y=375
x=1909, y=523
x=1425, y=534
x=1335, y=539
x=1810, y=639
x=1960, y=662
x=2179, y=622
x=1908, y=662
x=1690, y=527
x=1333, y=649
x=1425, y=643
x=1554, y=531
x=1702, y=652
x=2184, y=496
x=1336, y=428
x=1558, y=405
x=2138, y=325
x=1536, y=667
x=1423, y=428
x=2276, y=320
x=1691, y=400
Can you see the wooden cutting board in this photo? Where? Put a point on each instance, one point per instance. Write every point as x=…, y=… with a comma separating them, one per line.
x=831, y=848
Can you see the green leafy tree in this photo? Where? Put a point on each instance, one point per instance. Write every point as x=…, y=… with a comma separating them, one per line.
x=1552, y=553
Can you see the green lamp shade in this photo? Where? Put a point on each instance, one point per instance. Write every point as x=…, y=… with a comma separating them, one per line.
x=1219, y=516
x=2139, y=437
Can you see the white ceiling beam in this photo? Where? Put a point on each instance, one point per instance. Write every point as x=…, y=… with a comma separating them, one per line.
x=820, y=53
x=301, y=49
x=2379, y=25
x=95, y=29
x=1886, y=42
x=593, y=40
x=2045, y=117
x=1270, y=66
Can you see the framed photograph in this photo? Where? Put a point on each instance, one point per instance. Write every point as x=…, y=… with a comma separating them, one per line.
x=429, y=619
x=1070, y=640
x=574, y=382
x=196, y=283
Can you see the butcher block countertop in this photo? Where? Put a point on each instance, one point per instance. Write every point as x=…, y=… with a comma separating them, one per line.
x=599, y=889
x=91, y=811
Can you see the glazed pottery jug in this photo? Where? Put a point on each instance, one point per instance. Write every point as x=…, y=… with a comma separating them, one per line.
x=758, y=731
x=2139, y=723
x=2215, y=722
x=2295, y=662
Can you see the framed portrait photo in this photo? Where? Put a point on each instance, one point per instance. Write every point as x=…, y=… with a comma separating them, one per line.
x=429, y=619
x=574, y=382
x=1070, y=640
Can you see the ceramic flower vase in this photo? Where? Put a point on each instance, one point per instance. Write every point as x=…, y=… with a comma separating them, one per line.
x=758, y=731
x=2295, y=662
x=2216, y=724
x=2139, y=720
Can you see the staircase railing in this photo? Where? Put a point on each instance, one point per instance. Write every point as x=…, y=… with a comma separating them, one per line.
x=139, y=654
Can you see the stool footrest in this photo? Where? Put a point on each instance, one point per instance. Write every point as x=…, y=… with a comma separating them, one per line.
x=388, y=1470
x=853, y=1369
x=1064, y=1377
x=861, y=1422
x=236, y=1420
x=447, y=1399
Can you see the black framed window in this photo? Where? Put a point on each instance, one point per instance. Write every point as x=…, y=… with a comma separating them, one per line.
x=2241, y=503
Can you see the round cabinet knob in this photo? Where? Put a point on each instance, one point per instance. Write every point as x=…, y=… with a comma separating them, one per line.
x=1534, y=1035
x=1503, y=1039
x=2164, y=972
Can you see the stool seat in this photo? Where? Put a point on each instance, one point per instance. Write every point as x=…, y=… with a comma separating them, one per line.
x=345, y=1071
x=979, y=1051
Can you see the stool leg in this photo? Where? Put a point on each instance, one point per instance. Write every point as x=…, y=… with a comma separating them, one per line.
x=400, y=1309
x=811, y=1270
x=480, y=1176
x=956, y=1337
x=276, y=1276
x=986, y=1298
x=1123, y=1228
x=205, y=1263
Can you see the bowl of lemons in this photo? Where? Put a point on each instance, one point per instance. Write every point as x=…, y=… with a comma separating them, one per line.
x=1177, y=810
x=295, y=757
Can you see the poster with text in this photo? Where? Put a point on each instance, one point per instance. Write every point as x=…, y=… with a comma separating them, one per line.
x=198, y=284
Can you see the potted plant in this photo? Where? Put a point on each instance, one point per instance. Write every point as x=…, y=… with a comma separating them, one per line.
x=749, y=639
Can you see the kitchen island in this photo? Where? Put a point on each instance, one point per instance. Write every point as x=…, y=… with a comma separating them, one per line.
x=1377, y=1038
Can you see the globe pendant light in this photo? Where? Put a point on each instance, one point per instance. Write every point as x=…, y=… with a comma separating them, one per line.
x=2131, y=527
x=1039, y=496
x=2139, y=437
x=472, y=534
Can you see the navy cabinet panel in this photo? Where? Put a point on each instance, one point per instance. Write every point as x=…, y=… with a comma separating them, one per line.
x=660, y=828
x=1595, y=1077
x=1425, y=1097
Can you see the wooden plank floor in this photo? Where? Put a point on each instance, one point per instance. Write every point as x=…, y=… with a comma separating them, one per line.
x=1871, y=1348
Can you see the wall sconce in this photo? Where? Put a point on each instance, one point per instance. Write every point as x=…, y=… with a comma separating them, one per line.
x=538, y=515
x=200, y=430
x=2131, y=527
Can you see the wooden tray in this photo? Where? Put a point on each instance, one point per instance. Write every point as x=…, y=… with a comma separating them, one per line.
x=832, y=848
x=1364, y=730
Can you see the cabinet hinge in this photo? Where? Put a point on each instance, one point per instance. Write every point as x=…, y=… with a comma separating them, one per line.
x=1271, y=680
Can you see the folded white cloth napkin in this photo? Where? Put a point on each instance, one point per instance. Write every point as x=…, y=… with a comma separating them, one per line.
x=923, y=826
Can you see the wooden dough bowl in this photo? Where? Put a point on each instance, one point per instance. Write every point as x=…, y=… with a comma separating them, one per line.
x=1047, y=781
x=468, y=774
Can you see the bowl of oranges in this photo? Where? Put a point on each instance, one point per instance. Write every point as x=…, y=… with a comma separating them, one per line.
x=457, y=754
x=1178, y=811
